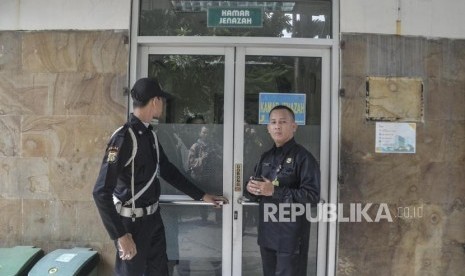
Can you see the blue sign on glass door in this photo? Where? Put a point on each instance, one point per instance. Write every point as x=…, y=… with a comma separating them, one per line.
x=267, y=101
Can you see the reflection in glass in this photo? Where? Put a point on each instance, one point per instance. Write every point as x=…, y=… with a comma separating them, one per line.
x=251, y=259
x=195, y=81
x=197, y=85
x=191, y=134
x=201, y=161
x=193, y=245
x=205, y=161
x=301, y=18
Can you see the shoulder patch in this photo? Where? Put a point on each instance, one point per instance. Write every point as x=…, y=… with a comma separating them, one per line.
x=112, y=154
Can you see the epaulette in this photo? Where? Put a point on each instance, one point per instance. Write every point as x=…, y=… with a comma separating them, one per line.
x=120, y=132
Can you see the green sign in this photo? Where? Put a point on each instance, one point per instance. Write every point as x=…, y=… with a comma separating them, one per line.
x=235, y=17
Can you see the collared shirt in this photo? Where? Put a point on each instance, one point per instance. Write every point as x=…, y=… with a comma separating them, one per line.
x=115, y=177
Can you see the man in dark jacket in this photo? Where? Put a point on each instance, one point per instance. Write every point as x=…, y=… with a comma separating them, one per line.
x=289, y=175
x=127, y=189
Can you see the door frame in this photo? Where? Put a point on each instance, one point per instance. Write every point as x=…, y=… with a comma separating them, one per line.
x=233, y=138
x=137, y=43
x=228, y=142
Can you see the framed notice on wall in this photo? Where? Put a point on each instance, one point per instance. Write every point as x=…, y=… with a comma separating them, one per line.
x=395, y=137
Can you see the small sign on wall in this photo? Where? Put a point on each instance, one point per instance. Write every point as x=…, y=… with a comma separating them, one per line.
x=395, y=137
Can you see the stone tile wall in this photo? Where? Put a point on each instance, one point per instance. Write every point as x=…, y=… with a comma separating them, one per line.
x=61, y=97
x=433, y=178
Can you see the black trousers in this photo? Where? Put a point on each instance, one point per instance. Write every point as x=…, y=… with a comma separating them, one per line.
x=283, y=264
x=148, y=233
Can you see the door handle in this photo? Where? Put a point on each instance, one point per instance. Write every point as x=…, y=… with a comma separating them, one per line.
x=246, y=202
x=184, y=202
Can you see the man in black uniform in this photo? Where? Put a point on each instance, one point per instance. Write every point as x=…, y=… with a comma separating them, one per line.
x=290, y=174
x=127, y=189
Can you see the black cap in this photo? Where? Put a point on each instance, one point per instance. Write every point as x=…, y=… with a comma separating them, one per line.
x=147, y=88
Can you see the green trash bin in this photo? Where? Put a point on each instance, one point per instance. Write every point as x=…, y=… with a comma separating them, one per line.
x=18, y=260
x=67, y=262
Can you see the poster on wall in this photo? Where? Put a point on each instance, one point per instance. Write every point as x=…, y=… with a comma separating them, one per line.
x=295, y=101
x=395, y=137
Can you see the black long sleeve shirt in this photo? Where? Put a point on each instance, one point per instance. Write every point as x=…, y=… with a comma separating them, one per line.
x=298, y=174
x=115, y=177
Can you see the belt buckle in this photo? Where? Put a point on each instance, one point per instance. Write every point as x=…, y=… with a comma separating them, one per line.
x=133, y=215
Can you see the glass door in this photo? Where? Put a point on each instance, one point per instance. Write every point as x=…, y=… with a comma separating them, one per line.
x=196, y=134
x=211, y=132
x=265, y=76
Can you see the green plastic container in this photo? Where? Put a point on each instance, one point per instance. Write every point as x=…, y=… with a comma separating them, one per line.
x=18, y=260
x=67, y=262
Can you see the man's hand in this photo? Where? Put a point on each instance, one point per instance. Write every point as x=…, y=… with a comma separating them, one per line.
x=217, y=201
x=126, y=247
x=260, y=188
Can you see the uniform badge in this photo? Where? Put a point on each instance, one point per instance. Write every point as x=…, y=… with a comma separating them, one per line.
x=289, y=160
x=275, y=183
x=112, y=154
